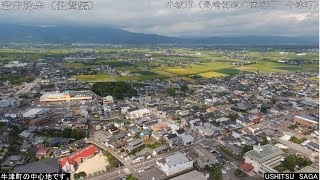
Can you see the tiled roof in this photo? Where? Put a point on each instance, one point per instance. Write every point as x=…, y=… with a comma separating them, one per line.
x=246, y=167
x=84, y=153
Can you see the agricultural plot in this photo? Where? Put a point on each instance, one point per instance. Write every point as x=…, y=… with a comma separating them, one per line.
x=231, y=72
x=210, y=66
x=95, y=78
x=145, y=73
x=181, y=71
x=211, y=74
x=315, y=78
x=130, y=68
x=269, y=67
x=115, y=63
x=165, y=73
x=141, y=78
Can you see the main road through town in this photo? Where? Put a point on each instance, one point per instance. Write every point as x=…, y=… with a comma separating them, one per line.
x=127, y=167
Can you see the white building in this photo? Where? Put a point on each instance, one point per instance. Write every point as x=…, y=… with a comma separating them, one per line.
x=35, y=112
x=12, y=64
x=264, y=158
x=84, y=111
x=66, y=96
x=209, y=130
x=107, y=100
x=174, y=164
x=141, y=113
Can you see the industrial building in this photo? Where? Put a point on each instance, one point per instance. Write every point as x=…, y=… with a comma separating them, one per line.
x=66, y=96
x=141, y=113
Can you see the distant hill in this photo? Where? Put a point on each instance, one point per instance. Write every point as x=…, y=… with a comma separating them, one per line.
x=82, y=34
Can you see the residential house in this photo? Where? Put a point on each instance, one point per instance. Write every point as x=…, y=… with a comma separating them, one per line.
x=42, y=166
x=173, y=140
x=187, y=139
x=204, y=157
x=42, y=152
x=134, y=144
x=14, y=160
x=161, y=149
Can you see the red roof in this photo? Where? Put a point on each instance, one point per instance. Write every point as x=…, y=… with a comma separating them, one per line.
x=246, y=167
x=76, y=157
x=42, y=150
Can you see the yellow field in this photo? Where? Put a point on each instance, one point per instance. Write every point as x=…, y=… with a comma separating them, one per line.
x=211, y=74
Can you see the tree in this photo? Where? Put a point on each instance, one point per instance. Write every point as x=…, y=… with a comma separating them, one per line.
x=238, y=173
x=303, y=162
x=233, y=117
x=77, y=176
x=131, y=177
x=66, y=132
x=247, y=148
x=215, y=172
x=184, y=88
x=264, y=109
x=297, y=140
x=118, y=90
x=171, y=91
x=290, y=162
x=112, y=160
x=264, y=141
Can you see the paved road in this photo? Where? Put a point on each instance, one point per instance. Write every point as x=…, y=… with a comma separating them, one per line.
x=27, y=87
x=103, y=146
x=131, y=168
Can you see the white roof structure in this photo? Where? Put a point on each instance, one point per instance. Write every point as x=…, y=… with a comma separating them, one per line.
x=32, y=112
x=175, y=159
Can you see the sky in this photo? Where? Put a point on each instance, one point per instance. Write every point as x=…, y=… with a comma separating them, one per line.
x=154, y=16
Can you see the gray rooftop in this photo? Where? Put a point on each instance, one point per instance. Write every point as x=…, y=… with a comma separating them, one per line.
x=176, y=159
x=42, y=166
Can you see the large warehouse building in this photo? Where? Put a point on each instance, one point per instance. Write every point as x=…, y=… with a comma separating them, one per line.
x=65, y=96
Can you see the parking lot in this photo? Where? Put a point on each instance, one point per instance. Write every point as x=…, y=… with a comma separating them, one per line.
x=151, y=173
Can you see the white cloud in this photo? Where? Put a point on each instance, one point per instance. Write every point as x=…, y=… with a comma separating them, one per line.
x=152, y=16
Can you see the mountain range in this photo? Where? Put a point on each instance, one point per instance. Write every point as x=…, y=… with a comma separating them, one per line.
x=83, y=34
